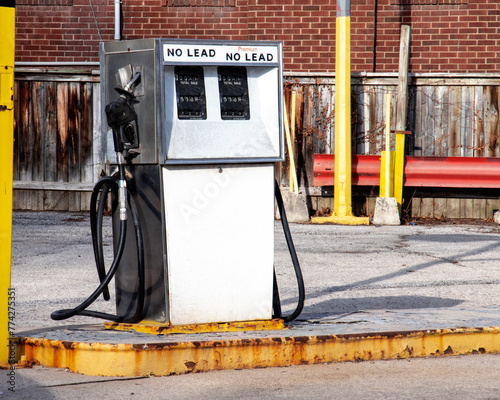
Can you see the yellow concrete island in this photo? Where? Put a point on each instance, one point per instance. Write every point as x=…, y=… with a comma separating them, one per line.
x=273, y=350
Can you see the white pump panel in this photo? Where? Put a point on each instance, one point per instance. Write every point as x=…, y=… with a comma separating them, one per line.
x=220, y=242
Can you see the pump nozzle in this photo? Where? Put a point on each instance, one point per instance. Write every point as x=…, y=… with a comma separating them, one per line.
x=122, y=118
x=136, y=79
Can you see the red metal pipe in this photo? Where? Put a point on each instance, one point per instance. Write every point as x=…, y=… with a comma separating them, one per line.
x=452, y=172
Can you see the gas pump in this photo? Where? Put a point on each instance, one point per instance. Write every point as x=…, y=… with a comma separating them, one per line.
x=196, y=127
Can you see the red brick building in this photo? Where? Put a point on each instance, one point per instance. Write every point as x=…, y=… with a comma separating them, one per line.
x=453, y=93
x=447, y=35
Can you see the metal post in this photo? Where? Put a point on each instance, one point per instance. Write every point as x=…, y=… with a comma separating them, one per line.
x=118, y=26
x=401, y=111
x=342, y=212
x=7, y=16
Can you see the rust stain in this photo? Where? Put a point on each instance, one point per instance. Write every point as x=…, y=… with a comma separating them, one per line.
x=190, y=365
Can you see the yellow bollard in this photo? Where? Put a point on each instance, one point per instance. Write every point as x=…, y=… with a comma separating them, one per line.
x=293, y=182
x=386, y=208
x=7, y=296
x=387, y=179
x=293, y=172
x=342, y=210
x=387, y=157
x=399, y=162
x=387, y=164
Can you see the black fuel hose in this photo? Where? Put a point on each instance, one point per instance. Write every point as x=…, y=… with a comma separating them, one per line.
x=103, y=187
x=295, y=262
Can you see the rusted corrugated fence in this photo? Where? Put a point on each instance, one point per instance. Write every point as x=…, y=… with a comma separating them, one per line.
x=59, y=147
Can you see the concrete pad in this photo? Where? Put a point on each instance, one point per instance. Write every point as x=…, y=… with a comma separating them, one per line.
x=108, y=354
x=295, y=206
x=371, y=292
x=386, y=211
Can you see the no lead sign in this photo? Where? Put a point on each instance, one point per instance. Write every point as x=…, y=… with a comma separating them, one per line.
x=220, y=54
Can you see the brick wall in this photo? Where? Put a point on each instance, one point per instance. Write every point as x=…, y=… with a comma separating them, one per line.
x=447, y=35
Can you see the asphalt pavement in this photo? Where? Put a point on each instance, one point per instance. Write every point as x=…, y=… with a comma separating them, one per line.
x=359, y=279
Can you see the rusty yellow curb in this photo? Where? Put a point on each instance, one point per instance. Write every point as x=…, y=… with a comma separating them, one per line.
x=197, y=356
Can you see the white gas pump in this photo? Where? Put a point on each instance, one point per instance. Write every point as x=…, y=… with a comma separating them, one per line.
x=197, y=129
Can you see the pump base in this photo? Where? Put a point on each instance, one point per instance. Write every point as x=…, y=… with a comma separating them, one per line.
x=167, y=329
x=341, y=220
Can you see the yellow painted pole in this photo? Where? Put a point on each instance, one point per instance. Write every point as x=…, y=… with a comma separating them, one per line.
x=7, y=296
x=342, y=193
x=290, y=151
x=387, y=180
x=387, y=159
x=293, y=172
x=399, y=163
x=342, y=210
x=387, y=166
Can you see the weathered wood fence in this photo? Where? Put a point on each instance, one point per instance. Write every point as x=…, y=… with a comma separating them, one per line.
x=59, y=148
x=448, y=115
